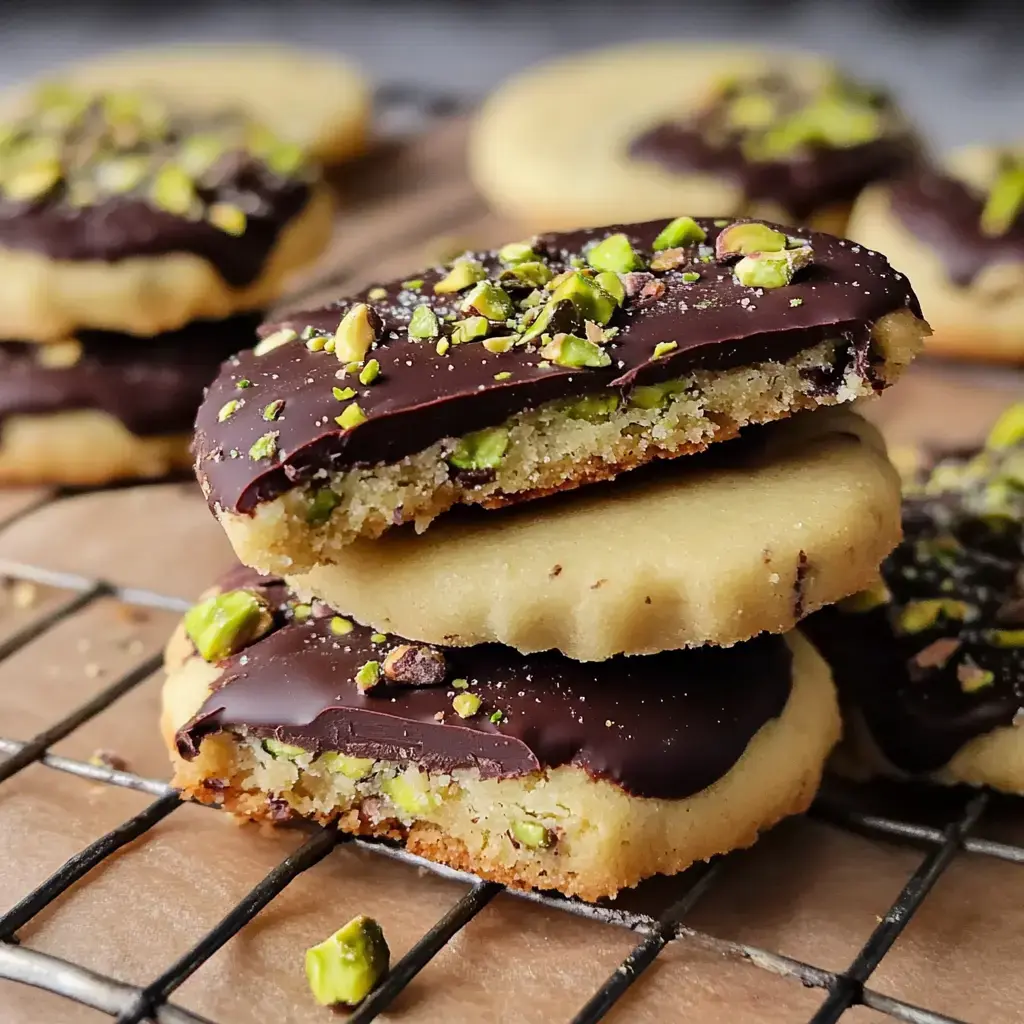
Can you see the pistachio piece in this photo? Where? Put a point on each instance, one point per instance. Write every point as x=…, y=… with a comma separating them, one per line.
x=340, y=626
x=356, y=332
x=350, y=417
x=593, y=408
x=483, y=449
x=369, y=373
x=354, y=768
x=654, y=396
x=172, y=190
x=423, y=324
x=466, y=704
x=228, y=218
x=415, y=665
x=973, y=677
x=285, y=751
x=682, y=231
x=59, y=355
x=517, y=252
x=670, y=259
x=771, y=269
x=571, y=350
x=321, y=505
x=200, y=151
x=746, y=237
x=463, y=274
x=368, y=676
x=1005, y=201
x=33, y=182
x=917, y=616
x=120, y=174
x=589, y=300
x=470, y=329
x=488, y=300
x=228, y=409
x=867, y=600
x=499, y=345
x=1005, y=637
x=613, y=285
x=410, y=792
x=526, y=275
x=273, y=409
x=275, y=340
x=532, y=834
x=343, y=394
x=663, y=348
x=222, y=625
x=614, y=254
x=1008, y=430
x=345, y=968
x=264, y=447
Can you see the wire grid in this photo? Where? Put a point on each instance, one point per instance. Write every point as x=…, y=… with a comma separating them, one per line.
x=401, y=106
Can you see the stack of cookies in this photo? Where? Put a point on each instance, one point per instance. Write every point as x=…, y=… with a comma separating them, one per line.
x=526, y=538
x=139, y=243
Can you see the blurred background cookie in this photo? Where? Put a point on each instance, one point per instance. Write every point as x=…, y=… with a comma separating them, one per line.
x=650, y=130
x=957, y=230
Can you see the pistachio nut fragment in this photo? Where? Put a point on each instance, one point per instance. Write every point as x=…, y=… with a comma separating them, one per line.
x=526, y=275
x=973, y=677
x=470, y=329
x=532, y=834
x=321, y=505
x=423, y=324
x=275, y=340
x=369, y=373
x=354, y=768
x=483, y=449
x=593, y=408
x=1008, y=430
x=1005, y=201
x=669, y=259
x=771, y=269
x=517, y=252
x=368, y=676
x=228, y=409
x=1005, y=637
x=866, y=600
x=351, y=416
x=466, y=704
x=356, y=332
x=654, y=396
x=224, y=624
x=488, y=300
x=264, y=447
x=415, y=665
x=663, y=348
x=410, y=792
x=745, y=237
x=682, y=231
x=345, y=968
x=917, y=616
x=463, y=274
x=120, y=174
x=614, y=254
x=499, y=345
x=33, y=182
x=588, y=298
x=613, y=285
x=343, y=394
x=172, y=190
x=228, y=218
x=273, y=409
x=571, y=350
x=285, y=751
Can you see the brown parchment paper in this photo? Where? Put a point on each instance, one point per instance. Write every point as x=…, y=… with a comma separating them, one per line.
x=808, y=889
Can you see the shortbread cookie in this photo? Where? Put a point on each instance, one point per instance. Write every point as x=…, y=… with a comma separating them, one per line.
x=533, y=771
x=102, y=407
x=747, y=538
x=304, y=96
x=119, y=213
x=535, y=369
x=958, y=231
x=645, y=130
x=930, y=663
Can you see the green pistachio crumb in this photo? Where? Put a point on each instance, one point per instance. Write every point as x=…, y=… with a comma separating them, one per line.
x=504, y=375
x=317, y=343
x=340, y=625
x=272, y=410
x=593, y=408
x=228, y=409
x=682, y=231
x=663, y=348
x=573, y=351
x=376, y=294
x=1008, y=430
x=321, y=505
x=1005, y=637
x=466, y=704
x=345, y=968
x=612, y=284
x=973, y=677
x=496, y=717
x=172, y=190
x=350, y=417
x=488, y=300
x=413, y=285
x=797, y=301
x=526, y=275
x=370, y=372
x=224, y=624
x=228, y=218
x=532, y=834
x=284, y=751
x=463, y=274
x=275, y=340
x=378, y=638
x=690, y=276
x=460, y=684
x=771, y=269
x=499, y=345
x=917, y=616
x=482, y=449
x=368, y=676
x=1005, y=201
x=517, y=252
x=301, y=612
x=866, y=600
x=264, y=447
x=614, y=254
x=355, y=334
x=243, y=383
x=470, y=329
x=343, y=394
x=442, y=346
x=354, y=768
x=746, y=237
x=423, y=324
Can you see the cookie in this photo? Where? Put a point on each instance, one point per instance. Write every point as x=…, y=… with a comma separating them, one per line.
x=744, y=539
x=121, y=213
x=645, y=130
x=930, y=662
x=532, y=771
x=306, y=97
x=958, y=231
x=103, y=406
x=541, y=367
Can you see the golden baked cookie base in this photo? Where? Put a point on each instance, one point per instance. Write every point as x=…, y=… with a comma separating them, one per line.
x=550, y=451
x=606, y=839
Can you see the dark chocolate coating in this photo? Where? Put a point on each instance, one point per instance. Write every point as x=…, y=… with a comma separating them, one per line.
x=665, y=725
x=921, y=715
x=152, y=385
x=945, y=214
x=422, y=397
x=122, y=227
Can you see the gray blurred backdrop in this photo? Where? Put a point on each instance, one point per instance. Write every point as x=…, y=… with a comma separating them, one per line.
x=957, y=67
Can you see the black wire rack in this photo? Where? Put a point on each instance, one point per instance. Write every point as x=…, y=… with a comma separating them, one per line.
x=131, y=1004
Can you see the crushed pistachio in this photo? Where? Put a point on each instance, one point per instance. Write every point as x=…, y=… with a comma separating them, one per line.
x=413, y=285
x=682, y=231
x=272, y=410
x=423, y=324
x=340, y=625
x=614, y=254
x=663, y=348
x=747, y=237
x=482, y=449
x=275, y=340
x=573, y=351
x=264, y=447
x=466, y=704
x=532, y=834
x=345, y=968
x=343, y=394
x=227, y=622
x=228, y=409
x=321, y=505
x=504, y=375
x=370, y=372
x=470, y=329
x=377, y=293
x=350, y=417
x=368, y=676
x=355, y=334
x=463, y=274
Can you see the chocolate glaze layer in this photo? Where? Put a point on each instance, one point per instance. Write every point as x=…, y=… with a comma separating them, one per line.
x=120, y=228
x=422, y=397
x=945, y=214
x=666, y=725
x=152, y=385
x=920, y=714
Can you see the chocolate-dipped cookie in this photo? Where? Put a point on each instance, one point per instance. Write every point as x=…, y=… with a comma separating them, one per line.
x=124, y=212
x=643, y=130
x=538, y=368
x=105, y=406
x=957, y=228
x=930, y=662
x=534, y=771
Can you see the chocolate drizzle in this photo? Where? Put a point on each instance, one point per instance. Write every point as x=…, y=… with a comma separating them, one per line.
x=666, y=725
x=945, y=214
x=151, y=385
x=422, y=396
